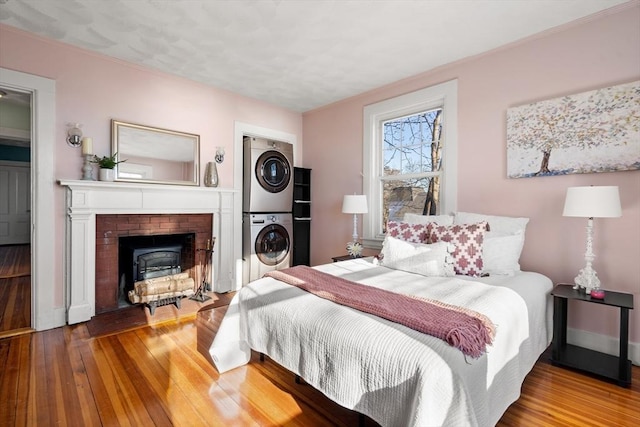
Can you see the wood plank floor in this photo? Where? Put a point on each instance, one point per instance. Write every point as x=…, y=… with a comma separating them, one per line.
x=15, y=289
x=158, y=375
x=15, y=261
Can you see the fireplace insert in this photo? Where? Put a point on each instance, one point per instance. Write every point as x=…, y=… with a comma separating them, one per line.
x=147, y=257
x=155, y=261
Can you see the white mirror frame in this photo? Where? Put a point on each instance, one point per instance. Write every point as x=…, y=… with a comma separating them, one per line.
x=146, y=147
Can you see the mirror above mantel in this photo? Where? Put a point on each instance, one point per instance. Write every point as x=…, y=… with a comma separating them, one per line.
x=155, y=155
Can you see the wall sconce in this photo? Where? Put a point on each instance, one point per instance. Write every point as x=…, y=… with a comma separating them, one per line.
x=74, y=134
x=219, y=155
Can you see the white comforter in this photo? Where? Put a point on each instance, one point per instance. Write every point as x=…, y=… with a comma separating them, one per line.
x=395, y=375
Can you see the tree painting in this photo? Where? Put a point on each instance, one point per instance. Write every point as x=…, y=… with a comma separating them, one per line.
x=596, y=131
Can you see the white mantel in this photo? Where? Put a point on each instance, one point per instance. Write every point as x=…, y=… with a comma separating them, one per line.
x=86, y=199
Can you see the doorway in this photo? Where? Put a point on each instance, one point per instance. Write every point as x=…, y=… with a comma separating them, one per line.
x=47, y=299
x=15, y=211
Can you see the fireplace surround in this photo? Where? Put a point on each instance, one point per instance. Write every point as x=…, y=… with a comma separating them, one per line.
x=85, y=200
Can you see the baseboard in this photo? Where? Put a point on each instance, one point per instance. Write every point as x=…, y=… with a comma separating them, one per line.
x=602, y=343
x=54, y=319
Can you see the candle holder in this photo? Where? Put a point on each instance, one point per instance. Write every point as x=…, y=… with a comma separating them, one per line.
x=87, y=169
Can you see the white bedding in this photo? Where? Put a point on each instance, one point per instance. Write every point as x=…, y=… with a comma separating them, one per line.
x=393, y=374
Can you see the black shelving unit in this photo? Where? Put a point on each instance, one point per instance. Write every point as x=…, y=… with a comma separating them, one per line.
x=301, y=216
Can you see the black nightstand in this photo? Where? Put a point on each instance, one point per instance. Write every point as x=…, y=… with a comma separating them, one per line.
x=617, y=369
x=343, y=258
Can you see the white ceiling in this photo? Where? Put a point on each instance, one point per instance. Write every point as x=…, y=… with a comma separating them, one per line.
x=298, y=54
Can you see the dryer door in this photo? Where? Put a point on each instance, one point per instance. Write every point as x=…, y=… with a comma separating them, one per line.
x=272, y=244
x=273, y=171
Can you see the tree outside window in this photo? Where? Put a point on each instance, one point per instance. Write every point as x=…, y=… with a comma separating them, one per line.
x=412, y=165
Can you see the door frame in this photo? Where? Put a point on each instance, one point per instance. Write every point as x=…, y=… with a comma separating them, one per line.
x=44, y=313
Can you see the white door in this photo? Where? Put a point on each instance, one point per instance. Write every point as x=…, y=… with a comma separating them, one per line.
x=15, y=204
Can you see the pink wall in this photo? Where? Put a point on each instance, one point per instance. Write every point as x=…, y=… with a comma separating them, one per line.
x=592, y=53
x=93, y=89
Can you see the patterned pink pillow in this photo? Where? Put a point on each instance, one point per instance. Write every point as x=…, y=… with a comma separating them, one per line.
x=414, y=233
x=468, y=239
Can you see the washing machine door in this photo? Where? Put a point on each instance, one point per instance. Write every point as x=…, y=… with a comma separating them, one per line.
x=272, y=244
x=273, y=171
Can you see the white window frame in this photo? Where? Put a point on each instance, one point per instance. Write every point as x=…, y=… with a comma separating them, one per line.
x=443, y=95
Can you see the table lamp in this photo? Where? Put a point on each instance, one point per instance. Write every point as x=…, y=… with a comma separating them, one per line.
x=591, y=202
x=354, y=204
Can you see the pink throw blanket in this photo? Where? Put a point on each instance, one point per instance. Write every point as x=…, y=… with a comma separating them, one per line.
x=465, y=329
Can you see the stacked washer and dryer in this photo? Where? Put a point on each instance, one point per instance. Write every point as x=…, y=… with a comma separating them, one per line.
x=267, y=225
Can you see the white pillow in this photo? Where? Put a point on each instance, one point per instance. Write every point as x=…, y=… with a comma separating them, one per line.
x=503, y=243
x=412, y=218
x=428, y=260
x=501, y=254
x=498, y=224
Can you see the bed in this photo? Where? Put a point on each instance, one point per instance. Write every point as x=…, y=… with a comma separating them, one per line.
x=390, y=372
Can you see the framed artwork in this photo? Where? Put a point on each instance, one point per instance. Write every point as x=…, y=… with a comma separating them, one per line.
x=595, y=131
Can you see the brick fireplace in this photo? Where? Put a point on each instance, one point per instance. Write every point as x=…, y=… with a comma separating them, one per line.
x=154, y=207
x=109, y=230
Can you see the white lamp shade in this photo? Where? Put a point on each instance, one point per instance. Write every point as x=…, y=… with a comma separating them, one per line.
x=354, y=204
x=593, y=202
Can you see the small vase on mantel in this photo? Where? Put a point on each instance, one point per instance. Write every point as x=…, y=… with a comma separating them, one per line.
x=107, y=174
x=211, y=175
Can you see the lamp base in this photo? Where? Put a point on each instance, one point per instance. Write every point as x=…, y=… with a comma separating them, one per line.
x=587, y=279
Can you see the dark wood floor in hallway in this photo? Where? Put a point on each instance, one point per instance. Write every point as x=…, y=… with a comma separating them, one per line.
x=15, y=289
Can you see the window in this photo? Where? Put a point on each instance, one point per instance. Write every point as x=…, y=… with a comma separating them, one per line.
x=409, y=157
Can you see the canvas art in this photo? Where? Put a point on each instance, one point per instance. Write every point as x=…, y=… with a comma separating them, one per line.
x=595, y=131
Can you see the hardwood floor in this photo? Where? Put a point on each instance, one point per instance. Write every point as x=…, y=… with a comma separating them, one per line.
x=158, y=375
x=15, y=261
x=15, y=289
